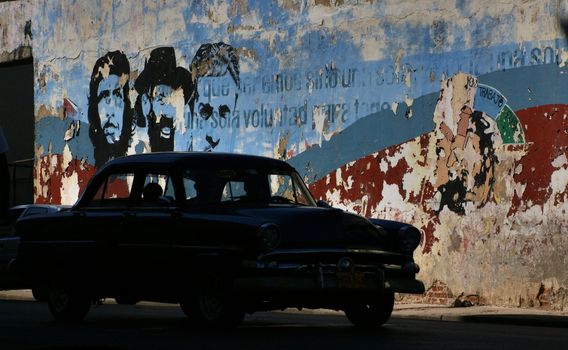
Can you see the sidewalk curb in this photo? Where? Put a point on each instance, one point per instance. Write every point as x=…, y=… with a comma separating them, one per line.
x=517, y=320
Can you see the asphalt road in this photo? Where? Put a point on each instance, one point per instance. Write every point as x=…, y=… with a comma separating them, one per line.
x=28, y=325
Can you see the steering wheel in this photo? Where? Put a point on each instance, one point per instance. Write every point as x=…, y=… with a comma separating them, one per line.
x=280, y=200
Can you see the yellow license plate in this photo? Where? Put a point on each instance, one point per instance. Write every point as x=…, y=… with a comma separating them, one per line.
x=350, y=280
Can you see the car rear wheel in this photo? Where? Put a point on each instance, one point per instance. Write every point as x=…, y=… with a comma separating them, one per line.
x=211, y=303
x=67, y=304
x=372, y=313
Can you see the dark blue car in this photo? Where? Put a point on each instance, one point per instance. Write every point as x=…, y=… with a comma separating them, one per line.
x=222, y=235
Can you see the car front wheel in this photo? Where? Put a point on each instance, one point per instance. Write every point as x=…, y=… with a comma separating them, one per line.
x=211, y=303
x=371, y=313
x=67, y=304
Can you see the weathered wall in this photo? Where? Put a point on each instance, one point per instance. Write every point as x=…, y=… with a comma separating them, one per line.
x=15, y=30
x=452, y=115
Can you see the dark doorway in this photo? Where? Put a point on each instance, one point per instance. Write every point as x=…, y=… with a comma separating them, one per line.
x=17, y=123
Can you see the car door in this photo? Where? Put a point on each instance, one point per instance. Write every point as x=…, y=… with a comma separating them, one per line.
x=145, y=241
x=98, y=224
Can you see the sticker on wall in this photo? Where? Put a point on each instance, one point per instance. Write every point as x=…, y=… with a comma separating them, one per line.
x=492, y=102
x=489, y=100
x=510, y=127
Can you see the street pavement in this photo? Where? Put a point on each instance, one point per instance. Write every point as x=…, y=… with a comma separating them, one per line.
x=478, y=314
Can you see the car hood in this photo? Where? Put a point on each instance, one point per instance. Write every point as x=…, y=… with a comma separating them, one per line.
x=320, y=227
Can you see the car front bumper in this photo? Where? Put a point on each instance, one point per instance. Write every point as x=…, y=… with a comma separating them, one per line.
x=329, y=283
x=379, y=272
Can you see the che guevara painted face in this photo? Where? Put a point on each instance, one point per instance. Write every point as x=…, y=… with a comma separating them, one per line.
x=110, y=96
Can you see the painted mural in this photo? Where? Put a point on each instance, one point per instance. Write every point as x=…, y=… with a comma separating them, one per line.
x=109, y=110
x=462, y=132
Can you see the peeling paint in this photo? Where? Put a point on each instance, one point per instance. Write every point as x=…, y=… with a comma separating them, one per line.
x=388, y=109
x=15, y=30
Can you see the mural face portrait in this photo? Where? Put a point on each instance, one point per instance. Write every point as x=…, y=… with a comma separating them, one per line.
x=110, y=112
x=110, y=95
x=216, y=97
x=167, y=106
x=164, y=90
x=216, y=70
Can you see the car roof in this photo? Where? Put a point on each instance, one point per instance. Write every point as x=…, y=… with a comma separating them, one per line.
x=196, y=158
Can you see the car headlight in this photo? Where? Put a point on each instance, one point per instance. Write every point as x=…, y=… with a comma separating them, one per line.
x=408, y=239
x=268, y=237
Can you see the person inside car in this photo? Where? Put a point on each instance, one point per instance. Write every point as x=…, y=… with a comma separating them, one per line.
x=152, y=192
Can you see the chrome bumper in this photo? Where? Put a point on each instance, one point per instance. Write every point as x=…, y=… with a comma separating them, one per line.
x=322, y=277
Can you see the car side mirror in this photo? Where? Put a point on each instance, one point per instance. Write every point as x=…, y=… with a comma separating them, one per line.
x=322, y=204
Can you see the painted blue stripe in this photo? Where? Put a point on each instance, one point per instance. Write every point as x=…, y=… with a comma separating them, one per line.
x=367, y=135
x=524, y=87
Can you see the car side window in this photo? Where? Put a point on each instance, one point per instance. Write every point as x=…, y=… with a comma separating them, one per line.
x=189, y=185
x=201, y=187
x=282, y=186
x=233, y=190
x=115, y=191
x=158, y=190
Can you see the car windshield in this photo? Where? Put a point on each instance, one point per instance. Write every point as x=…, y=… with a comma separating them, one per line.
x=245, y=185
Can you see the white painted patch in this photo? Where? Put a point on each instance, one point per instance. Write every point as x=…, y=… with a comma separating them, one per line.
x=349, y=165
x=349, y=184
x=392, y=199
x=409, y=102
x=69, y=184
x=338, y=179
x=396, y=156
x=319, y=14
x=67, y=156
x=364, y=204
x=333, y=197
x=319, y=120
x=412, y=183
x=52, y=162
x=560, y=161
x=394, y=107
x=69, y=189
x=559, y=181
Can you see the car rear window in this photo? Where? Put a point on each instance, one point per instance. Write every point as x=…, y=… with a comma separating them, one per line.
x=115, y=191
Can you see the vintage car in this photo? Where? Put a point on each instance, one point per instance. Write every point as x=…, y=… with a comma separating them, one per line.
x=220, y=234
x=9, y=242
